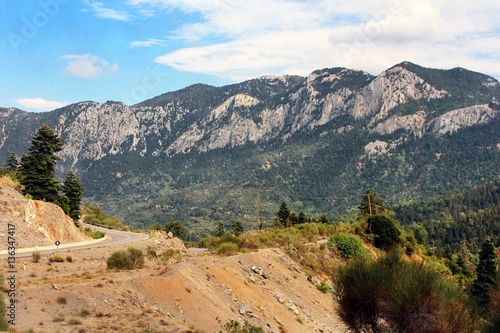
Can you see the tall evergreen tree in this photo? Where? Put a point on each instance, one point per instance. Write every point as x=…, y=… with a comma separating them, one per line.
x=12, y=163
x=302, y=218
x=324, y=219
x=237, y=228
x=283, y=213
x=72, y=188
x=371, y=204
x=37, y=167
x=220, y=230
x=485, y=271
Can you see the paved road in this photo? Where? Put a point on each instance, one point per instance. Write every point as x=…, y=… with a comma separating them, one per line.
x=115, y=237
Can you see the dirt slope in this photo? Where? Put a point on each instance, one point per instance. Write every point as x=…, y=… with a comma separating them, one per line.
x=198, y=293
x=37, y=223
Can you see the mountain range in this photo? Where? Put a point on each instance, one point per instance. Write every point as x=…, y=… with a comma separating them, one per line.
x=200, y=154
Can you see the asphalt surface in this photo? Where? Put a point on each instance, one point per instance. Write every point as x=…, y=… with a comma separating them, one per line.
x=115, y=237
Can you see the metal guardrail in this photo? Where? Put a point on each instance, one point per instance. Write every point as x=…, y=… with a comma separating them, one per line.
x=115, y=228
x=104, y=226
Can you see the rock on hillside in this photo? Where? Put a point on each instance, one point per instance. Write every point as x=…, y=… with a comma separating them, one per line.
x=37, y=223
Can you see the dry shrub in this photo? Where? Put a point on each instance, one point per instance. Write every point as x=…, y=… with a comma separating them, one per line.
x=392, y=294
x=227, y=249
x=5, y=180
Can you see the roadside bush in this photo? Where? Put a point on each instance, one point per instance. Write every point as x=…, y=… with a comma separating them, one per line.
x=96, y=234
x=119, y=260
x=56, y=259
x=348, y=245
x=136, y=257
x=69, y=258
x=227, y=248
x=36, y=256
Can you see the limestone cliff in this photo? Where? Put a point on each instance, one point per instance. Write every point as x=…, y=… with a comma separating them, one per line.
x=204, y=118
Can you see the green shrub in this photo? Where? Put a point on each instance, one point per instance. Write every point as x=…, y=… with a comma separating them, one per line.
x=227, y=248
x=151, y=251
x=133, y=258
x=69, y=258
x=120, y=260
x=385, y=231
x=36, y=256
x=235, y=327
x=348, y=245
x=191, y=244
x=176, y=228
x=4, y=325
x=392, y=295
x=136, y=257
x=97, y=234
x=323, y=287
x=56, y=259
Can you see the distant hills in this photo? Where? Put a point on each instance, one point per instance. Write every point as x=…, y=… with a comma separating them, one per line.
x=200, y=153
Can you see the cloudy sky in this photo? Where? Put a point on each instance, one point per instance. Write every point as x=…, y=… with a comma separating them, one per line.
x=56, y=52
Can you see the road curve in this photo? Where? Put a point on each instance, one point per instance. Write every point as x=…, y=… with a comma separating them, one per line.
x=114, y=237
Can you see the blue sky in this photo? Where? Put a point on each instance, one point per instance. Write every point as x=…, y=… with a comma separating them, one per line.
x=57, y=52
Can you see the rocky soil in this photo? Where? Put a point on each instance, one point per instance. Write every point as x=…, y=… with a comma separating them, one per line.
x=188, y=293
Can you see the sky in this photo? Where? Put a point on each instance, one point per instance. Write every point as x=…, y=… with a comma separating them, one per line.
x=58, y=52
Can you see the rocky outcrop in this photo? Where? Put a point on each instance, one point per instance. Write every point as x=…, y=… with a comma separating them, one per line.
x=456, y=120
x=418, y=124
x=413, y=123
x=37, y=223
x=393, y=87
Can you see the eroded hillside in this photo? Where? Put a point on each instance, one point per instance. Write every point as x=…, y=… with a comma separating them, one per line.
x=37, y=223
x=195, y=293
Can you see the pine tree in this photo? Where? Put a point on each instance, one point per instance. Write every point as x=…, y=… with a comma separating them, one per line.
x=237, y=228
x=72, y=188
x=323, y=219
x=302, y=218
x=283, y=213
x=485, y=271
x=220, y=230
x=37, y=168
x=12, y=163
x=371, y=204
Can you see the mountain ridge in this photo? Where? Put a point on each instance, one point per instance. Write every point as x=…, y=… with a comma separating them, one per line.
x=204, y=143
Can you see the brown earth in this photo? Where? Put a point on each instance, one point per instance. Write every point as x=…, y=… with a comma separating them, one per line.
x=189, y=293
x=37, y=223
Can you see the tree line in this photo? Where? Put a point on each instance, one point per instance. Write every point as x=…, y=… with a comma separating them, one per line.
x=35, y=173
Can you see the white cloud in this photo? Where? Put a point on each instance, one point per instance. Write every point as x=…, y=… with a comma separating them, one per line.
x=290, y=37
x=147, y=43
x=88, y=66
x=107, y=13
x=40, y=104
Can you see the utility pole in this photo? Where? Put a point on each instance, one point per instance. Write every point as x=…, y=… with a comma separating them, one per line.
x=257, y=214
x=258, y=221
